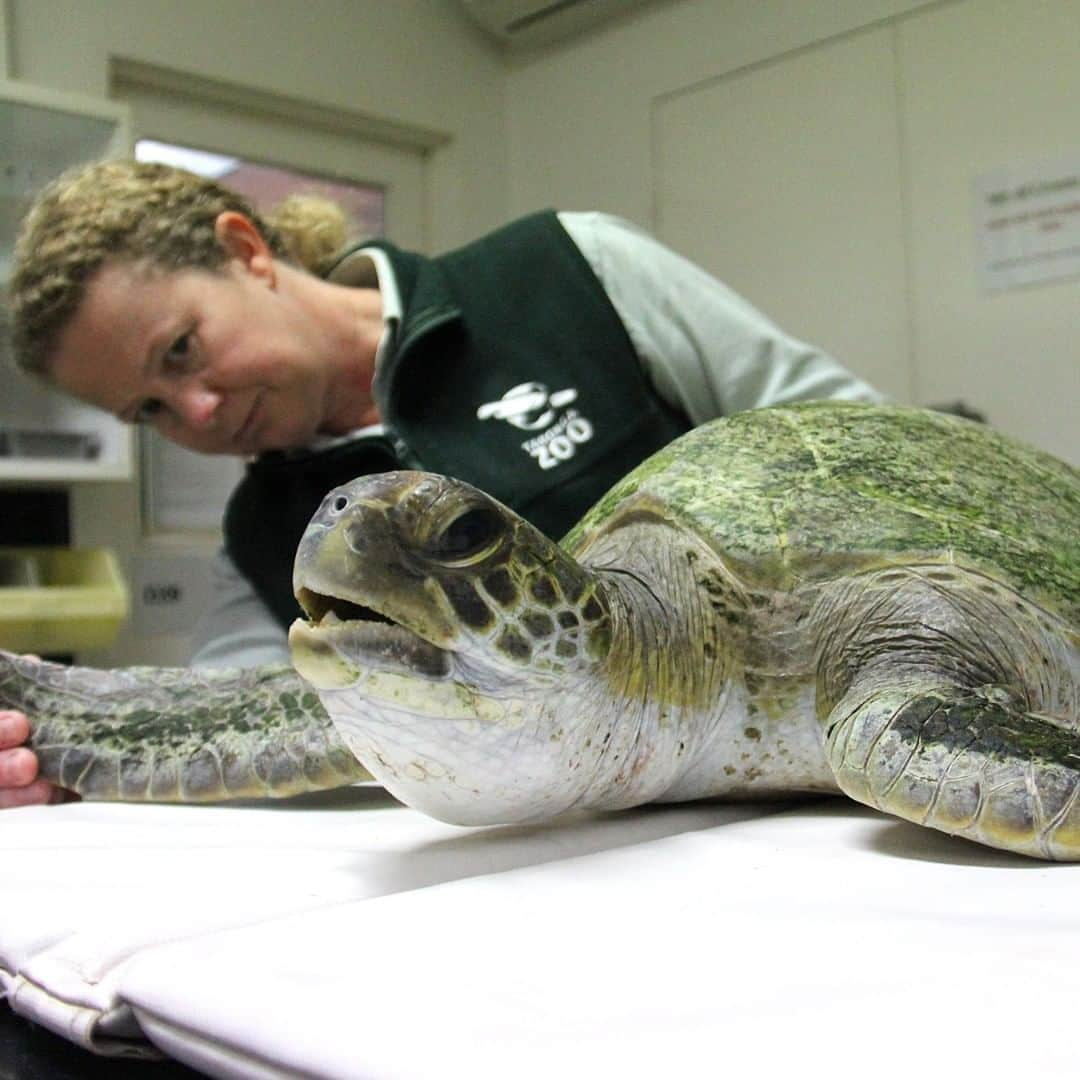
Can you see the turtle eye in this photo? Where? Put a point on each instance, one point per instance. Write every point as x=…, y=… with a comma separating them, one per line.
x=467, y=535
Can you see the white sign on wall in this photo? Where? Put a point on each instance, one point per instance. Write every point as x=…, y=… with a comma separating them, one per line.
x=1028, y=224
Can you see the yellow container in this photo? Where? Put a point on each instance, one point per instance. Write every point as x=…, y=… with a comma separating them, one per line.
x=60, y=600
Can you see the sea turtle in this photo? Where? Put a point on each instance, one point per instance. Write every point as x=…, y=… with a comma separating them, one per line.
x=878, y=600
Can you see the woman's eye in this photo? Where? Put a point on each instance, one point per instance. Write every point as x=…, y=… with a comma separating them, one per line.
x=178, y=354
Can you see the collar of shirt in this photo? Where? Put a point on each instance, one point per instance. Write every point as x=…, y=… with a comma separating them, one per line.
x=374, y=271
x=391, y=298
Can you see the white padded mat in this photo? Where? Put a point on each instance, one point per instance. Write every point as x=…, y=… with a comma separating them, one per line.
x=85, y=887
x=352, y=938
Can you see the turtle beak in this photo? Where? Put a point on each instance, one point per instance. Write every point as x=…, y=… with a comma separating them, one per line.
x=316, y=659
x=319, y=606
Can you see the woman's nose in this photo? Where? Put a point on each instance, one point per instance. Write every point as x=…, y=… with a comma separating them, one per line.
x=199, y=406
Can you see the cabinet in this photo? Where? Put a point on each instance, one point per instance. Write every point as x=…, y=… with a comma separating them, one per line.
x=45, y=436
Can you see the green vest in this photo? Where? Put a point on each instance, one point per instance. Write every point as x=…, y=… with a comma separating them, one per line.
x=511, y=370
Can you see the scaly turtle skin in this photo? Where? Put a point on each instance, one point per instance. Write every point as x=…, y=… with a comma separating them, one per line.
x=881, y=601
x=177, y=735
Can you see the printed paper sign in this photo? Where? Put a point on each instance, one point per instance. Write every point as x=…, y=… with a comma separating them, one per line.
x=1028, y=222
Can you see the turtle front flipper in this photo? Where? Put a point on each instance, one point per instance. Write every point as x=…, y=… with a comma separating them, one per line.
x=951, y=701
x=970, y=762
x=177, y=734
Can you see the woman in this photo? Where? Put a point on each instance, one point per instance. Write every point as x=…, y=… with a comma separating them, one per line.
x=540, y=363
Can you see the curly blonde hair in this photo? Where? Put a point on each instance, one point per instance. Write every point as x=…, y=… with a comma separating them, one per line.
x=158, y=216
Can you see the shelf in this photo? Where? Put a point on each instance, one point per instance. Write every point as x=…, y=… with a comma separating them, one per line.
x=32, y=414
x=22, y=471
x=59, y=600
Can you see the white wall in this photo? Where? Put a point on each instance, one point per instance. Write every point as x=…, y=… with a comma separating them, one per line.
x=987, y=84
x=859, y=237
x=784, y=179
x=579, y=115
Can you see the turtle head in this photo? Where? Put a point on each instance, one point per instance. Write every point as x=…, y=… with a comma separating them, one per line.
x=442, y=630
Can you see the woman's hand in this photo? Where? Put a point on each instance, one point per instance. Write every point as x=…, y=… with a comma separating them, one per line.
x=19, y=782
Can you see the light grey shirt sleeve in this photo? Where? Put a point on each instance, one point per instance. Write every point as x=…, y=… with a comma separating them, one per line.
x=237, y=629
x=707, y=351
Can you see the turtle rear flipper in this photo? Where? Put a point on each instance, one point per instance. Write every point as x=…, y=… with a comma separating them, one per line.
x=968, y=761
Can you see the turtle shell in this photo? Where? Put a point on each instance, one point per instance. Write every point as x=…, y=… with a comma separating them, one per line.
x=803, y=493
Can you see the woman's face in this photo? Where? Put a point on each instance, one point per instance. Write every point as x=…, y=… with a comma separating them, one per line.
x=222, y=362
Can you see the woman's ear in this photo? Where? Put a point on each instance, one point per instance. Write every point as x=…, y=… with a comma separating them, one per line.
x=241, y=240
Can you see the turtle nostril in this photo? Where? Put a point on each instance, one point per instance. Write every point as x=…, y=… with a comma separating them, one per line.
x=339, y=504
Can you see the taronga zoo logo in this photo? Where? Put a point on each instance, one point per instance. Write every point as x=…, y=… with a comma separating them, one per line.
x=531, y=406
